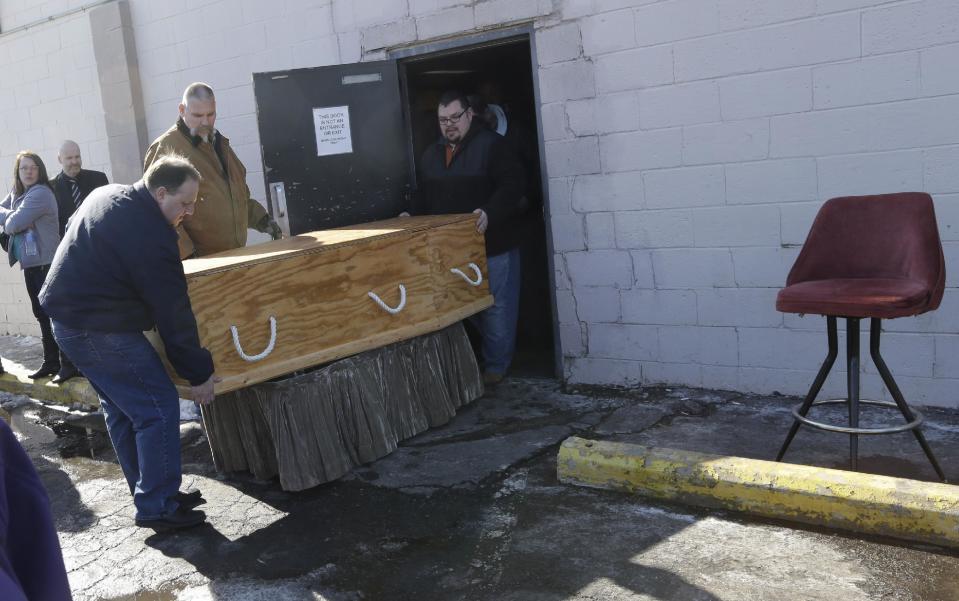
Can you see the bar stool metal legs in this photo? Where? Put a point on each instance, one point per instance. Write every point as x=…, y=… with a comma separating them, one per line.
x=852, y=400
x=816, y=384
x=890, y=383
x=852, y=387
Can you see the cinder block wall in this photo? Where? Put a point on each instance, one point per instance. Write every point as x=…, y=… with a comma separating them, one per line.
x=688, y=144
x=48, y=91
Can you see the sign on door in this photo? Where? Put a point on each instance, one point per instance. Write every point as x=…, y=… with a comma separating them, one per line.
x=332, y=126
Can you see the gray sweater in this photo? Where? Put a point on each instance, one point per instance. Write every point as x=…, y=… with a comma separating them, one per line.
x=34, y=209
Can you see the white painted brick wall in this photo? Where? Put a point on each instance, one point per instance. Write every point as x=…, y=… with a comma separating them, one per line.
x=597, y=304
x=560, y=195
x=688, y=146
x=623, y=341
x=693, y=268
x=939, y=170
x=573, y=157
x=676, y=20
x=727, y=142
x=634, y=69
x=806, y=42
x=752, y=307
x=763, y=267
x=388, y=34
x=938, y=72
x=866, y=81
x=763, y=94
x=613, y=192
x=736, y=226
x=795, y=221
x=600, y=231
x=580, y=117
x=603, y=371
x=600, y=268
x=559, y=43
x=554, y=121
x=683, y=374
x=910, y=26
x=743, y=14
x=707, y=346
x=493, y=12
x=445, y=22
x=897, y=125
x=642, y=150
x=50, y=93
x=566, y=81
x=685, y=187
x=608, y=32
x=771, y=181
x=645, y=279
x=665, y=307
x=616, y=112
x=685, y=104
x=568, y=233
x=872, y=173
x=572, y=337
x=653, y=229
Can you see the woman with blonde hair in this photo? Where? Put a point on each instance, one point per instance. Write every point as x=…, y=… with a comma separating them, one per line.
x=29, y=217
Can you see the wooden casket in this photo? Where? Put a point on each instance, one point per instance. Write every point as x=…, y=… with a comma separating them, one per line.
x=272, y=309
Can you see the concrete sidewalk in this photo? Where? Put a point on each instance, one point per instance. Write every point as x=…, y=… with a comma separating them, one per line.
x=23, y=355
x=473, y=510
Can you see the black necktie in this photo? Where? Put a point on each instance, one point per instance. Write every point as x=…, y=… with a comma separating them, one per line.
x=75, y=192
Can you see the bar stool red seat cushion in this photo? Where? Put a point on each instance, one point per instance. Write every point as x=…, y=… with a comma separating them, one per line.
x=869, y=256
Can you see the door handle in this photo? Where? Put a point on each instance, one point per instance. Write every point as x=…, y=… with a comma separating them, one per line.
x=279, y=206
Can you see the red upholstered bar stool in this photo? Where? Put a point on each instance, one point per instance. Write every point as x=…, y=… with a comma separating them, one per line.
x=866, y=256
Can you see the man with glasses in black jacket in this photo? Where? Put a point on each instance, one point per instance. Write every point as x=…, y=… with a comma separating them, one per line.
x=471, y=169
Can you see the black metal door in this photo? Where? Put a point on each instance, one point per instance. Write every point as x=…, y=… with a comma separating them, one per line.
x=334, y=144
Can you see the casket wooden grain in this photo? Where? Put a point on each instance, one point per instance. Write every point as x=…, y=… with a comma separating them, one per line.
x=272, y=309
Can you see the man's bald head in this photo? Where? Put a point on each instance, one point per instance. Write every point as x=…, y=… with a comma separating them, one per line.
x=198, y=110
x=69, y=158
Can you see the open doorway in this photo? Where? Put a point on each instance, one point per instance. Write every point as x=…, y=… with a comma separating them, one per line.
x=499, y=72
x=390, y=106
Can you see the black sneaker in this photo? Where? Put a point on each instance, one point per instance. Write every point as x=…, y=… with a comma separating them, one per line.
x=181, y=518
x=189, y=499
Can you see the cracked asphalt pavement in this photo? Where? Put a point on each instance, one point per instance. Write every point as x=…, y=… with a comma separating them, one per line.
x=473, y=510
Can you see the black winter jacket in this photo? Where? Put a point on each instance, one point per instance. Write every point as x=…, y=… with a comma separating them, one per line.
x=485, y=173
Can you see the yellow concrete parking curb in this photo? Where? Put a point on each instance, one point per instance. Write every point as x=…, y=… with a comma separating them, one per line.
x=896, y=507
x=76, y=390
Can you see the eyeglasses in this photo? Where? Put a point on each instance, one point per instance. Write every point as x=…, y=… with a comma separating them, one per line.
x=453, y=118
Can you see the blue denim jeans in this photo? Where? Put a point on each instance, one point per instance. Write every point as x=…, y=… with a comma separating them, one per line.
x=141, y=407
x=497, y=325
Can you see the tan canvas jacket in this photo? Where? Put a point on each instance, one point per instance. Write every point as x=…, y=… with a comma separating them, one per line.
x=224, y=209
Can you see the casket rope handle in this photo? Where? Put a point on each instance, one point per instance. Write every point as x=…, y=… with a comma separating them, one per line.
x=469, y=280
x=265, y=353
x=387, y=308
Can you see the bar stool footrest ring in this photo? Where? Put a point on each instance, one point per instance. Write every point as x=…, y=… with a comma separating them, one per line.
x=915, y=423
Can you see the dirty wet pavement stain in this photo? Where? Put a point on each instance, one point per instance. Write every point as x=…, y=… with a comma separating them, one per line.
x=472, y=510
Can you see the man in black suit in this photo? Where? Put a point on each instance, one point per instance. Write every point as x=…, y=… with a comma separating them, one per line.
x=71, y=186
x=73, y=183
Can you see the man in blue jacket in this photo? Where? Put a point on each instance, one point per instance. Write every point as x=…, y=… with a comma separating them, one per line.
x=116, y=274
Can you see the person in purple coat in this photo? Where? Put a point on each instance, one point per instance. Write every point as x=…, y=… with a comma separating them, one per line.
x=31, y=563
